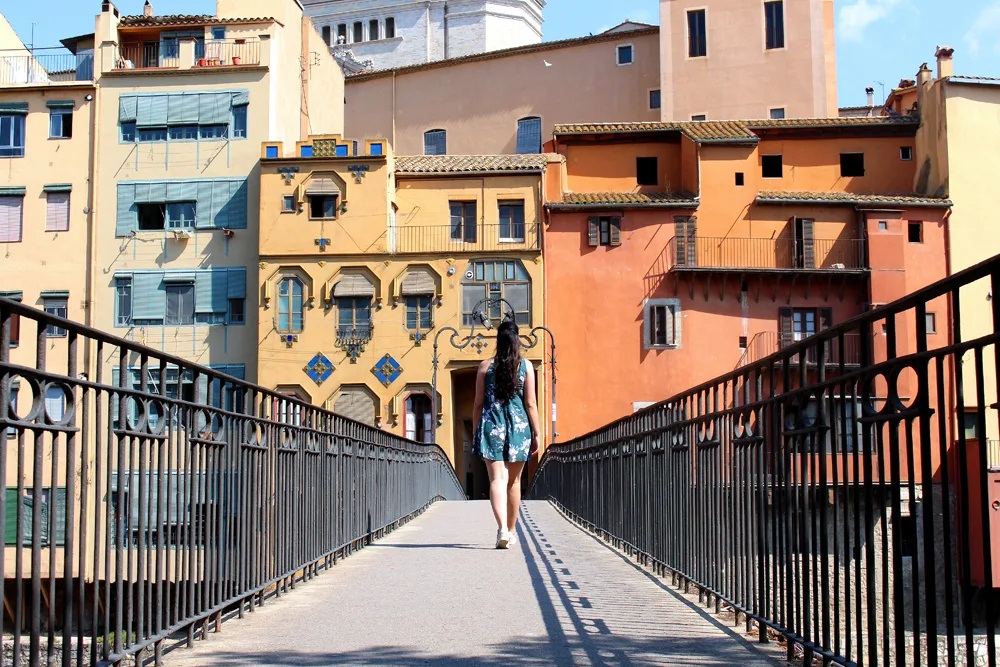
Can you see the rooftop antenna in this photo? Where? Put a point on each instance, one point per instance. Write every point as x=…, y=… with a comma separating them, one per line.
x=881, y=85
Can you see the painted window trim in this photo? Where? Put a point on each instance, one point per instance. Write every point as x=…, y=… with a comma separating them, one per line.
x=647, y=323
x=618, y=52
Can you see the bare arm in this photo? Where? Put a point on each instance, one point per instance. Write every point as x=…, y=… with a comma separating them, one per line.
x=531, y=406
x=477, y=410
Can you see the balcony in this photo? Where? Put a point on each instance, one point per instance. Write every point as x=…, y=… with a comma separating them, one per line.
x=413, y=239
x=766, y=255
x=174, y=54
x=45, y=66
x=766, y=343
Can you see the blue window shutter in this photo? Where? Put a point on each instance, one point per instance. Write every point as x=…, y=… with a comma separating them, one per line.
x=203, y=292
x=182, y=109
x=237, y=284
x=214, y=108
x=182, y=191
x=238, y=371
x=203, y=211
x=220, y=291
x=235, y=210
x=220, y=198
x=241, y=98
x=126, y=214
x=150, y=193
x=149, y=296
x=127, y=108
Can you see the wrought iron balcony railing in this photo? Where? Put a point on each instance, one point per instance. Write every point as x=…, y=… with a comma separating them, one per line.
x=44, y=66
x=141, y=502
x=757, y=254
x=353, y=339
x=766, y=343
x=464, y=238
x=207, y=53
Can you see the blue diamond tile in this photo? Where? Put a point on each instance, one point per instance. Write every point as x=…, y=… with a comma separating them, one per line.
x=387, y=370
x=319, y=369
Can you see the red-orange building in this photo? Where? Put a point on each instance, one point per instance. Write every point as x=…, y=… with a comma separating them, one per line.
x=675, y=252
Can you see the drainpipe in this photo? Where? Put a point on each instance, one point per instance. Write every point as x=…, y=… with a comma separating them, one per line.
x=427, y=23
x=394, y=110
x=445, y=22
x=89, y=366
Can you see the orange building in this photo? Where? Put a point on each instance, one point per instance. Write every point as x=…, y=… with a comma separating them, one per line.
x=676, y=252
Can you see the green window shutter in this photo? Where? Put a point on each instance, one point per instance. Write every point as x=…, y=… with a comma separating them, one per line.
x=150, y=193
x=214, y=108
x=126, y=220
x=182, y=109
x=241, y=98
x=60, y=104
x=20, y=108
x=10, y=516
x=182, y=191
x=220, y=200
x=203, y=291
x=220, y=291
x=237, y=207
x=127, y=108
x=149, y=296
x=237, y=284
x=203, y=214
x=151, y=111
x=59, y=506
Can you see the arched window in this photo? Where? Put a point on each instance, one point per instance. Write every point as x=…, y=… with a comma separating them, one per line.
x=357, y=403
x=435, y=142
x=529, y=135
x=496, y=279
x=290, y=305
x=419, y=413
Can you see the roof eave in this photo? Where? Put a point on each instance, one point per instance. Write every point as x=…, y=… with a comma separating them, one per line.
x=612, y=206
x=482, y=172
x=967, y=81
x=880, y=203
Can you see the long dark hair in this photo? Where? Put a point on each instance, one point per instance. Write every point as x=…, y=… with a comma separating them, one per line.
x=507, y=362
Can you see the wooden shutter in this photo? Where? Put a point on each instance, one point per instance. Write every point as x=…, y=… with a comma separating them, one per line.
x=57, y=212
x=680, y=240
x=692, y=245
x=593, y=231
x=808, y=243
x=784, y=327
x=616, y=231
x=825, y=322
x=10, y=219
x=15, y=329
x=670, y=322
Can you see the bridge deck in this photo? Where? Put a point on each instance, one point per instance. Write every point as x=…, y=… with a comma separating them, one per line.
x=436, y=592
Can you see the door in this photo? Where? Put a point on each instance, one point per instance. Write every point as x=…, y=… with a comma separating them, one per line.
x=805, y=244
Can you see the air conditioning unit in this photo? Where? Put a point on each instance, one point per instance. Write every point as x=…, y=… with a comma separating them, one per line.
x=182, y=234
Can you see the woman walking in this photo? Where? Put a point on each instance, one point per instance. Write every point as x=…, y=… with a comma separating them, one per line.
x=506, y=415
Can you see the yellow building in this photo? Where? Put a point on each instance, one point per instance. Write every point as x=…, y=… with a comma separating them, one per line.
x=184, y=104
x=958, y=144
x=366, y=257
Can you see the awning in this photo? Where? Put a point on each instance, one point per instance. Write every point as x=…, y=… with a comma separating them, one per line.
x=58, y=187
x=354, y=285
x=323, y=185
x=418, y=282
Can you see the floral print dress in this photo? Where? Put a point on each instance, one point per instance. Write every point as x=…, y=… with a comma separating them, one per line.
x=504, y=432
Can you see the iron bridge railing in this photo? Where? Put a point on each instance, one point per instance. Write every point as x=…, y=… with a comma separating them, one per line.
x=147, y=502
x=840, y=506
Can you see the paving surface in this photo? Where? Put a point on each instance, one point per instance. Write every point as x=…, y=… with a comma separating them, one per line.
x=436, y=592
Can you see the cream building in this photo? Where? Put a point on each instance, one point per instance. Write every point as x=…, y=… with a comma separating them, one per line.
x=367, y=259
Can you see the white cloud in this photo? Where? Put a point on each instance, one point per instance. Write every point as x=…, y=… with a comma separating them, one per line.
x=985, y=27
x=859, y=14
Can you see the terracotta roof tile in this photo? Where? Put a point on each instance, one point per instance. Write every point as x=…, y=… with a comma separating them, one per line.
x=578, y=200
x=781, y=197
x=183, y=19
x=724, y=131
x=457, y=164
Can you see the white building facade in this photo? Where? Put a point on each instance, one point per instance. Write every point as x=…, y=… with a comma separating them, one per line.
x=397, y=33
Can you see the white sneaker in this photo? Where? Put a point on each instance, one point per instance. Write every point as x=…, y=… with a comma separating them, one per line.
x=503, y=538
x=512, y=542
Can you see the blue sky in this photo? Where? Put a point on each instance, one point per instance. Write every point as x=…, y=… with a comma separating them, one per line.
x=877, y=40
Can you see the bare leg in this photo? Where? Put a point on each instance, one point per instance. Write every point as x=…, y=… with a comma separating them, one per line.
x=513, y=493
x=498, y=491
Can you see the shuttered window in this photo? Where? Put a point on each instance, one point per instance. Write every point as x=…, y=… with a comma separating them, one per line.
x=57, y=212
x=202, y=203
x=356, y=404
x=604, y=230
x=11, y=214
x=662, y=323
x=11, y=431
x=797, y=324
x=529, y=135
x=59, y=307
x=204, y=296
x=27, y=506
x=15, y=319
x=685, y=241
x=203, y=115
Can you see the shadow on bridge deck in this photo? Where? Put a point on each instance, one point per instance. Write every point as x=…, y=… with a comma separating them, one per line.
x=436, y=592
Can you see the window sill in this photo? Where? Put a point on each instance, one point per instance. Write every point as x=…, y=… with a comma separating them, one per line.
x=510, y=240
x=662, y=347
x=59, y=138
x=55, y=231
x=317, y=219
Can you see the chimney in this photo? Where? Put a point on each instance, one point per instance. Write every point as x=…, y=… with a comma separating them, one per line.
x=924, y=75
x=870, y=92
x=945, y=64
x=147, y=10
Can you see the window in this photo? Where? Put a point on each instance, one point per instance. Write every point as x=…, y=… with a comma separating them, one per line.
x=61, y=123
x=56, y=211
x=288, y=204
x=342, y=33
x=435, y=142
x=390, y=28
x=184, y=132
x=777, y=113
x=152, y=135
x=55, y=404
x=770, y=166
x=373, y=30
x=419, y=416
x=11, y=431
x=123, y=302
x=970, y=423
x=496, y=279
x=654, y=99
x=180, y=304
x=151, y=216
x=11, y=135
x=662, y=323
x=356, y=403
x=915, y=232
x=774, y=21
x=290, y=305
x=322, y=207
x=697, y=36
x=354, y=315
x=15, y=319
x=739, y=178
x=883, y=225
x=180, y=215
x=128, y=132
x=219, y=32
x=463, y=221
x=359, y=32
x=529, y=135
x=646, y=171
x=419, y=313
x=852, y=164
x=327, y=34
x=797, y=324
x=512, y=221
x=604, y=231
x=240, y=121
x=699, y=116
x=11, y=215
x=237, y=311
x=56, y=306
x=930, y=319
x=625, y=55
x=905, y=153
